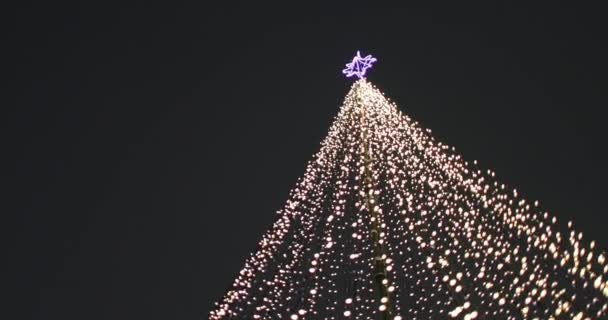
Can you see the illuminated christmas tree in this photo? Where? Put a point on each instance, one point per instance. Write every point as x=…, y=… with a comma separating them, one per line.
x=388, y=223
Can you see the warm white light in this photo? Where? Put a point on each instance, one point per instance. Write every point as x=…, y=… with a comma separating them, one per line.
x=452, y=231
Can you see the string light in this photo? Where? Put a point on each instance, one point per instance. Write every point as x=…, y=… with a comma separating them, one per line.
x=456, y=242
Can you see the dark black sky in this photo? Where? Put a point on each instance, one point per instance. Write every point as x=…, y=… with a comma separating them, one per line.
x=151, y=144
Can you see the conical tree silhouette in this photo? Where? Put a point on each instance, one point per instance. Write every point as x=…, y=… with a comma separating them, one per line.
x=388, y=223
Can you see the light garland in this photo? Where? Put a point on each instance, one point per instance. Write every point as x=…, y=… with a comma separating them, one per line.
x=456, y=243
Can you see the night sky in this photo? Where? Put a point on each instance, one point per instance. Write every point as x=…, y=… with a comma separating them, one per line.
x=151, y=144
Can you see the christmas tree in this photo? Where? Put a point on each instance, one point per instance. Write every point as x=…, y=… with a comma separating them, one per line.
x=388, y=223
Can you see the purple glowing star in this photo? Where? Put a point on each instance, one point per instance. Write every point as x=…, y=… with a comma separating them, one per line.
x=359, y=65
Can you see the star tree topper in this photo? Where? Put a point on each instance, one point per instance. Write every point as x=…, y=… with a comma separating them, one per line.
x=359, y=65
